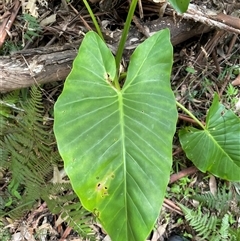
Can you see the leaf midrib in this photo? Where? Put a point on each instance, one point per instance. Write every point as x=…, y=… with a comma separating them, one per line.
x=122, y=131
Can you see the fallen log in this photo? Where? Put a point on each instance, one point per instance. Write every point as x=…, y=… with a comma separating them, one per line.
x=48, y=64
x=35, y=66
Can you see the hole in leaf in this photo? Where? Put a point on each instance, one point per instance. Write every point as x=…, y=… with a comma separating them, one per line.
x=99, y=186
x=108, y=79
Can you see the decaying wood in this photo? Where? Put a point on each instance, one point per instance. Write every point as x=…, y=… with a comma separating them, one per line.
x=211, y=18
x=42, y=65
x=35, y=66
x=181, y=29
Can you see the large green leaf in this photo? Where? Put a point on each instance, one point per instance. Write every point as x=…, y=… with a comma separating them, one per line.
x=116, y=144
x=216, y=148
x=180, y=6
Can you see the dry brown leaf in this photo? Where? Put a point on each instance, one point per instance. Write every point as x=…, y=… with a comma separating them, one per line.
x=158, y=233
x=238, y=105
x=31, y=8
x=213, y=185
x=48, y=20
x=236, y=81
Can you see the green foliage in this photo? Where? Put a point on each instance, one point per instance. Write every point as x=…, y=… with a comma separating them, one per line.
x=33, y=27
x=208, y=226
x=26, y=151
x=108, y=135
x=219, y=202
x=28, y=147
x=231, y=91
x=190, y=70
x=231, y=96
x=121, y=136
x=180, y=6
x=181, y=188
x=217, y=223
x=235, y=233
x=236, y=70
x=4, y=233
x=68, y=206
x=8, y=104
x=216, y=147
x=114, y=141
x=9, y=47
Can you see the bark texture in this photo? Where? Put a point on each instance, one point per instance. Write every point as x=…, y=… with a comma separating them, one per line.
x=35, y=66
x=47, y=64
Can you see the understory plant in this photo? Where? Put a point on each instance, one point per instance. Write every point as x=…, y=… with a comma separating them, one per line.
x=28, y=164
x=215, y=223
x=114, y=132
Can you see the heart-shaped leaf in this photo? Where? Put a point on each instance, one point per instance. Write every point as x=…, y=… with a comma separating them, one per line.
x=180, y=6
x=216, y=148
x=116, y=144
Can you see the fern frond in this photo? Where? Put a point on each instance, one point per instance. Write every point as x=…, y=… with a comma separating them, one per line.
x=8, y=104
x=69, y=208
x=224, y=230
x=235, y=234
x=210, y=227
x=219, y=202
x=203, y=224
x=26, y=151
x=79, y=219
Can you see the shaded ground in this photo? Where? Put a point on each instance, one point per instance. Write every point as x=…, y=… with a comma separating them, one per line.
x=206, y=63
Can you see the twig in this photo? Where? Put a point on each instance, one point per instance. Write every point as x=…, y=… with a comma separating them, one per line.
x=172, y=206
x=140, y=27
x=210, y=18
x=8, y=22
x=183, y=173
x=232, y=43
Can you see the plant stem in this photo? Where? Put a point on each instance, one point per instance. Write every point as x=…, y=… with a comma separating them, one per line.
x=123, y=40
x=122, y=76
x=190, y=114
x=93, y=19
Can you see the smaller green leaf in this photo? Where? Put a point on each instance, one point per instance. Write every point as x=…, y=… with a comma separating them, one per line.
x=190, y=70
x=216, y=148
x=180, y=6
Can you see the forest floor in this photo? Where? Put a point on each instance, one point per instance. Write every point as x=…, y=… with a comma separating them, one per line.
x=206, y=61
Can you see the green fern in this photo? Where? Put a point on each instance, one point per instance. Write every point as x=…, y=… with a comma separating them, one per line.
x=208, y=226
x=4, y=233
x=27, y=152
x=203, y=224
x=235, y=233
x=8, y=104
x=224, y=230
x=33, y=27
x=219, y=202
x=69, y=208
